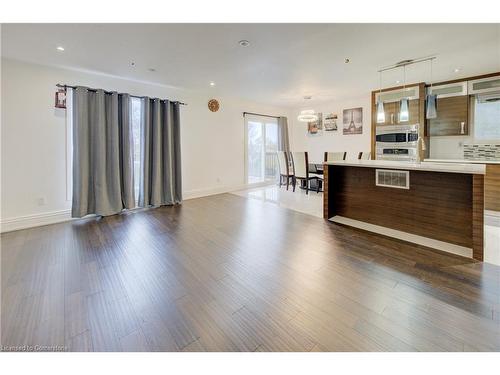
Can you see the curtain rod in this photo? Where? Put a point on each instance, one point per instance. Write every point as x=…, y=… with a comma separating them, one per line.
x=109, y=92
x=259, y=114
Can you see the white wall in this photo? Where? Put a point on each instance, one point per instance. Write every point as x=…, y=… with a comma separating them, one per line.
x=332, y=141
x=34, y=140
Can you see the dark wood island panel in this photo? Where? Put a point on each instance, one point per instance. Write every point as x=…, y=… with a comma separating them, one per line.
x=443, y=206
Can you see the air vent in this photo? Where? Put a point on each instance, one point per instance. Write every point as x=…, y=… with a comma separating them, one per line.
x=392, y=178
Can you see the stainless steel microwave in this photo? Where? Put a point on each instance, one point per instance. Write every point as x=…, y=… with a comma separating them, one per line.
x=397, y=142
x=397, y=135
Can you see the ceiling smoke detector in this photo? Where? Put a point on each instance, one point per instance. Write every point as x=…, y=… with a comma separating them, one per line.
x=244, y=43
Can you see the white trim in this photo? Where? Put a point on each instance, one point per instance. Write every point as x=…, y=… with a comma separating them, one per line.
x=404, y=236
x=35, y=220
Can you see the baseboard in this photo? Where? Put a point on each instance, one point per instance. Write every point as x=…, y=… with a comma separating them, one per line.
x=198, y=193
x=35, y=220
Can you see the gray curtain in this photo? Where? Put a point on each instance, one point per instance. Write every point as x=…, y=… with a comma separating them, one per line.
x=102, y=153
x=161, y=181
x=283, y=141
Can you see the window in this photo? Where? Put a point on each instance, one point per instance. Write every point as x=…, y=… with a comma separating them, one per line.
x=136, y=115
x=261, y=146
x=487, y=120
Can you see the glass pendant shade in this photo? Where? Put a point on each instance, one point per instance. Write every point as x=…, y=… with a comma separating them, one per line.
x=404, y=114
x=430, y=105
x=380, y=112
x=307, y=115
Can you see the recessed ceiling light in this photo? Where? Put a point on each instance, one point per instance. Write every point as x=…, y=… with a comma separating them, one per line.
x=60, y=48
x=456, y=70
x=152, y=69
x=398, y=81
x=212, y=83
x=244, y=43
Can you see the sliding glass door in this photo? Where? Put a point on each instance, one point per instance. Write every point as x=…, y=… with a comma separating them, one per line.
x=261, y=147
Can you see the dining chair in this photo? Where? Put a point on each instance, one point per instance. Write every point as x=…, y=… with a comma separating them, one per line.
x=334, y=156
x=301, y=171
x=286, y=171
x=365, y=155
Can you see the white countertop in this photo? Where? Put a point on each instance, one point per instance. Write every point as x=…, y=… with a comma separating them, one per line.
x=463, y=161
x=468, y=168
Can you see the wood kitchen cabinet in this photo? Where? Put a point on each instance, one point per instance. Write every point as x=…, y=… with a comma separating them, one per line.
x=392, y=113
x=451, y=113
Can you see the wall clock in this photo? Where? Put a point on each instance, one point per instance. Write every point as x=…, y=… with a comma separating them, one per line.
x=213, y=105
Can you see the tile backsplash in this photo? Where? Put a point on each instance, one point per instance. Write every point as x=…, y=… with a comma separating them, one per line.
x=475, y=151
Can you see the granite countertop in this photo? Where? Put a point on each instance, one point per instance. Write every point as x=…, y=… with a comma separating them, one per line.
x=447, y=167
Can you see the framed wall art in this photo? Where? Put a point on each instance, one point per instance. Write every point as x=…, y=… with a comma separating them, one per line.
x=353, y=121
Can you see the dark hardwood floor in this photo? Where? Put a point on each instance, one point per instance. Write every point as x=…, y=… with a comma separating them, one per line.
x=226, y=273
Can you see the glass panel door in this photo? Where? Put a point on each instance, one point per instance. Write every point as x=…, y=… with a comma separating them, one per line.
x=271, y=144
x=255, y=143
x=261, y=147
x=135, y=116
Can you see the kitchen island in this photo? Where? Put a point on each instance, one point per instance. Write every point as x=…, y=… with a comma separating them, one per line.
x=491, y=180
x=438, y=205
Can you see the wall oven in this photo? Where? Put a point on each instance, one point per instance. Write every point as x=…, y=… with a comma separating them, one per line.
x=397, y=142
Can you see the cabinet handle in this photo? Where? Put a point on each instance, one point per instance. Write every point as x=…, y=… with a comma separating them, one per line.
x=462, y=127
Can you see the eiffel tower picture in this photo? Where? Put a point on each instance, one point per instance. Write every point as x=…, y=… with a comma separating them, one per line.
x=353, y=121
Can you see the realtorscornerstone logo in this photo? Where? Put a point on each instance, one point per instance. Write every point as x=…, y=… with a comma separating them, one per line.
x=32, y=348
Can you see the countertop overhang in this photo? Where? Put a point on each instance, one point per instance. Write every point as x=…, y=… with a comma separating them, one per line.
x=462, y=161
x=466, y=168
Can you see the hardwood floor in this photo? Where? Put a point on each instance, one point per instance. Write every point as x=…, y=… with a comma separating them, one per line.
x=226, y=273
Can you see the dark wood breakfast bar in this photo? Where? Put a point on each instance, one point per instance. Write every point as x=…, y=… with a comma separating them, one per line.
x=437, y=205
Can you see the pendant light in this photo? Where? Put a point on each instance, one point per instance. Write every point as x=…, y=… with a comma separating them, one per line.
x=307, y=115
x=404, y=113
x=430, y=102
x=380, y=103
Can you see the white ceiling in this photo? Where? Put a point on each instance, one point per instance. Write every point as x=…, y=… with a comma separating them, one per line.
x=283, y=63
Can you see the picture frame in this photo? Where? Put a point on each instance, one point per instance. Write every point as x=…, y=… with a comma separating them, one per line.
x=60, y=98
x=352, y=119
x=314, y=127
x=330, y=122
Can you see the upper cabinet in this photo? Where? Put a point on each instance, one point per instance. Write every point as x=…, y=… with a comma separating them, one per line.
x=391, y=111
x=452, y=110
x=391, y=99
x=484, y=85
x=449, y=90
x=390, y=96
